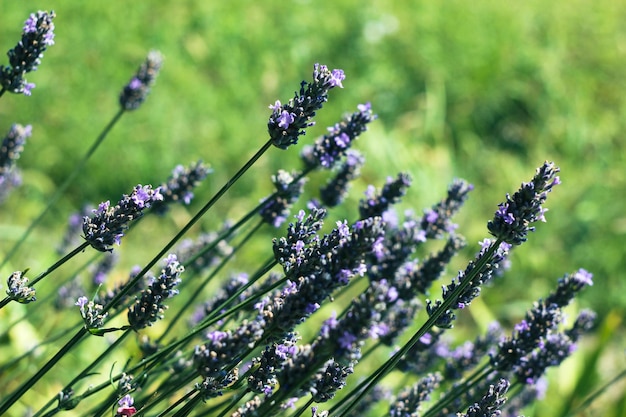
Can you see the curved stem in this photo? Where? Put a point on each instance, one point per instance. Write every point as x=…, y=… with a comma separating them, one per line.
x=61, y=189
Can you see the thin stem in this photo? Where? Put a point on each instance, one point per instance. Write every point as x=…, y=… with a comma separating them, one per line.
x=85, y=371
x=57, y=264
x=369, y=383
x=195, y=294
x=188, y=226
x=61, y=189
x=17, y=394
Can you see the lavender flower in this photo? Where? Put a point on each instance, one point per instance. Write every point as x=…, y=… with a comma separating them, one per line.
x=343, y=338
x=329, y=380
x=413, y=279
x=275, y=209
x=179, y=186
x=91, y=313
x=150, y=306
x=263, y=379
x=138, y=88
x=469, y=354
x=408, y=402
x=314, y=270
x=289, y=120
x=203, y=252
x=552, y=350
x=37, y=35
x=333, y=146
x=334, y=192
x=12, y=147
x=18, y=289
x=437, y=220
x=393, y=190
x=513, y=219
x=126, y=408
x=102, y=268
x=473, y=289
x=73, y=229
x=107, y=225
x=568, y=286
x=491, y=402
x=528, y=335
x=216, y=360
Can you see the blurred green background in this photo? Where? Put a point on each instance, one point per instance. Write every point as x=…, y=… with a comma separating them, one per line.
x=483, y=90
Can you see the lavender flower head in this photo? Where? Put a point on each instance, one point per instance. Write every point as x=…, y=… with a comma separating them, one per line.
x=37, y=35
x=18, y=289
x=106, y=227
x=289, y=120
x=393, y=190
x=276, y=208
x=148, y=308
x=336, y=190
x=12, y=147
x=331, y=147
x=513, y=218
x=179, y=186
x=491, y=403
x=137, y=89
x=91, y=313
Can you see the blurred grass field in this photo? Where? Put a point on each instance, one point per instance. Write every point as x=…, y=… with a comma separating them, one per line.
x=483, y=90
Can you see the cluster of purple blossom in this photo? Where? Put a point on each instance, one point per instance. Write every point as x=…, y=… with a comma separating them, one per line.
x=265, y=342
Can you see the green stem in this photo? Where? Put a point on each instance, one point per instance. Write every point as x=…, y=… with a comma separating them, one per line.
x=17, y=394
x=48, y=271
x=85, y=372
x=359, y=392
x=195, y=294
x=61, y=189
x=188, y=226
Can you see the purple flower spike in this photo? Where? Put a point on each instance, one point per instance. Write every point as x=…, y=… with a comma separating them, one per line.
x=288, y=121
x=106, y=227
x=37, y=35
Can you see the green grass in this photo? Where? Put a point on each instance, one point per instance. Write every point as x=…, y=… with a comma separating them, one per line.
x=481, y=90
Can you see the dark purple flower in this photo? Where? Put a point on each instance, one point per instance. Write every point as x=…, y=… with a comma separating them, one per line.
x=137, y=89
x=106, y=227
x=491, y=403
x=329, y=380
x=10, y=150
x=528, y=334
x=513, y=219
x=334, y=192
x=332, y=147
x=150, y=306
x=25, y=57
x=179, y=186
x=472, y=290
x=275, y=209
x=289, y=120
x=392, y=192
x=568, y=286
x=409, y=401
